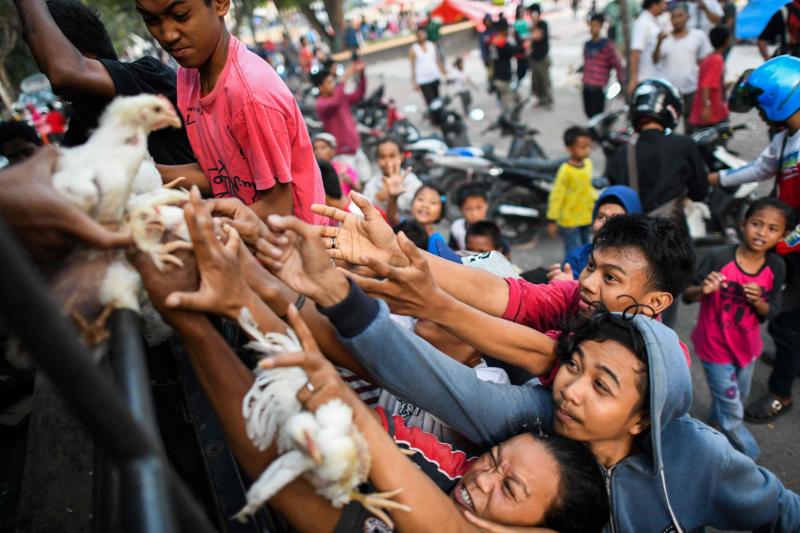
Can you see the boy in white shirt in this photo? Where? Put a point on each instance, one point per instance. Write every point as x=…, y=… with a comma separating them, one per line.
x=644, y=38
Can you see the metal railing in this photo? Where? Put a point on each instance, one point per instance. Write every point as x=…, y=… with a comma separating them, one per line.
x=119, y=417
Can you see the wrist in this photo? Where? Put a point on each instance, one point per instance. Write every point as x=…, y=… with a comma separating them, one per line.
x=333, y=288
x=249, y=299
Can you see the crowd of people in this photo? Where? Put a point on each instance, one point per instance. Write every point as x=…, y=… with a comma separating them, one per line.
x=555, y=397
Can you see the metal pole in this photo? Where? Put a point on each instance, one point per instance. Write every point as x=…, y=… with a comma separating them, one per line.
x=32, y=316
x=143, y=483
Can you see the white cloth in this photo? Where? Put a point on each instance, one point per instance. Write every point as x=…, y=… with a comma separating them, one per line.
x=425, y=63
x=680, y=57
x=458, y=232
x=644, y=38
x=460, y=81
x=698, y=18
x=411, y=183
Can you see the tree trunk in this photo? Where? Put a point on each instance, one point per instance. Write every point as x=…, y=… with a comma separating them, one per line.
x=309, y=14
x=6, y=88
x=335, y=10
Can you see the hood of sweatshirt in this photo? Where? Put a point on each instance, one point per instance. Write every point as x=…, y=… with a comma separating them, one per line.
x=624, y=195
x=670, y=395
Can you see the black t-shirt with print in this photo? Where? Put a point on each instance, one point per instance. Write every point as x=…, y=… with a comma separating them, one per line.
x=169, y=146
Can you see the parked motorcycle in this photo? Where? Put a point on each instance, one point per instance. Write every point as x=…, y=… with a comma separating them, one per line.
x=449, y=121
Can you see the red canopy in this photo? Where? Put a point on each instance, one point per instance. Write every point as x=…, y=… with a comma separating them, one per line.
x=451, y=11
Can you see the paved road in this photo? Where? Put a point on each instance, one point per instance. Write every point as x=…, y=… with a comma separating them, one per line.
x=780, y=451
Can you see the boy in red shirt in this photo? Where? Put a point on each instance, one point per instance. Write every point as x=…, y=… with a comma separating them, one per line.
x=242, y=121
x=710, y=107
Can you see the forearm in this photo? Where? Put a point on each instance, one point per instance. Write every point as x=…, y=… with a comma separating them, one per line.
x=693, y=294
x=225, y=380
x=55, y=55
x=413, y=370
x=474, y=287
x=192, y=172
x=502, y=339
x=763, y=49
x=657, y=52
x=714, y=18
x=761, y=308
x=274, y=201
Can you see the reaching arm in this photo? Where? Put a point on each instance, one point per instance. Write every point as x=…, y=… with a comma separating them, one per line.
x=274, y=201
x=67, y=69
x=361, y=89
x=412, y=291
x=761, y=168
x=191, y=171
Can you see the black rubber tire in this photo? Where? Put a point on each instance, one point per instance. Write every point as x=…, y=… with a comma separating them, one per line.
x=518, y=230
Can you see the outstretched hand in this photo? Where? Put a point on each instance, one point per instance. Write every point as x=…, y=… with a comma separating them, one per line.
x=223, y=288
x=247, y=223
x=46, y=222
x=409, y=290
x=302, y=262
x=555, y=272
x=357, y=236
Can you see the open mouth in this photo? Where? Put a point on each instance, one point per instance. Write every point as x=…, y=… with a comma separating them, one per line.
x=463, y=498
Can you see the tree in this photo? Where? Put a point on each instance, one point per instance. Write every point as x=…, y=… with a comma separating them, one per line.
x=334, y=35
x=9, y=34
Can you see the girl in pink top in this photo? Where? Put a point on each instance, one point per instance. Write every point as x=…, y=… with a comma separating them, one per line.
x=739, y=286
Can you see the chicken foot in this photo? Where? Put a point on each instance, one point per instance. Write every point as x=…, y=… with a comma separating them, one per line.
x=92, y=333
x=377, y=502
x=165, y=253
x=174, y=183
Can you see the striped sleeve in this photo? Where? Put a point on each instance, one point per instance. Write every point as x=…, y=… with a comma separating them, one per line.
x=442, y=463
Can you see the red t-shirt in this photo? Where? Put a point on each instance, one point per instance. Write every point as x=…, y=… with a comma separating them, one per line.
x=248, y=133
x=547, y=307
x=710, y=77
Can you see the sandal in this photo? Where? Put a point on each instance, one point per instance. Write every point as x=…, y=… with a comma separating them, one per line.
x=765, y=409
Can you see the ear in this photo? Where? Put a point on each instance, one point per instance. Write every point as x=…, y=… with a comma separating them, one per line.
x=639, y=424
x=658, y=301
x=221, y=7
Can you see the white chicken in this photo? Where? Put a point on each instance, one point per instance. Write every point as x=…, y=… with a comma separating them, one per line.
x=98, y=176
x=325, y=447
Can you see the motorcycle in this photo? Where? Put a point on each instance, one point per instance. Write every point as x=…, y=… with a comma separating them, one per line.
x=452, y=124
x=722, y=217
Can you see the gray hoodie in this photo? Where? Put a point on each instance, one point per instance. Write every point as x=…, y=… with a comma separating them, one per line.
x=684, y=477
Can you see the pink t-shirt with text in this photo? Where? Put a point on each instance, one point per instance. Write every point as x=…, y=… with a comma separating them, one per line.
x=248, y=133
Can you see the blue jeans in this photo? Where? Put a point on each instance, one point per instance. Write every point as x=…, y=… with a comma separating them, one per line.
x=575, y=237
x=729, y=387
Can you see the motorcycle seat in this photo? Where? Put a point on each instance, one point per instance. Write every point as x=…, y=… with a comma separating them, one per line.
x=533, y=163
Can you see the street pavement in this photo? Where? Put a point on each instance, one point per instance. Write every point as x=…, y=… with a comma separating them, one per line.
x=780, y=452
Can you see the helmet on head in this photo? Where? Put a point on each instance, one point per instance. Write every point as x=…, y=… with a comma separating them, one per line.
x=658, y=100
x=774, y=88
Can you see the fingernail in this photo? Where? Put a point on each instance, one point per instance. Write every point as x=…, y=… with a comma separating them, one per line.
x=267, y=362
x=172, y=300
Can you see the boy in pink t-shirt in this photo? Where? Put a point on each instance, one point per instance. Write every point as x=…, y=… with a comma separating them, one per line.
x=243, y=123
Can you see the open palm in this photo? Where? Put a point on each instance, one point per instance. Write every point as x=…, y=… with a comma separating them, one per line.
x=358, y=236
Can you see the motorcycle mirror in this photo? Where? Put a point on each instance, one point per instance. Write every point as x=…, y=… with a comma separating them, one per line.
x=477, y=114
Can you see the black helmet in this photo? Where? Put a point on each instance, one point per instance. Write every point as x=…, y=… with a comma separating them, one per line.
x=658, y=100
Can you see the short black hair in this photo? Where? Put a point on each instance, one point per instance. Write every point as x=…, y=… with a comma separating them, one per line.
x=318, y=76
x=414, y=231
x=611, y=199
x=81, y=25
x=389, y=139
x=601, y=326
x=470, y=190
x=772, y=203
x=667, y=248
x=598, y=17
x=16, y=129
x=573, y=133
x=486, y=228
x=647, y=3
x=438, y=191
x=330, y=179
x=719, y=36
x=535, y=7
x=582, y=504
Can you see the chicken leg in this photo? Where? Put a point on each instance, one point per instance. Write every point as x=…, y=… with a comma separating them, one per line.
x=92, y=333
x=376, y=502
